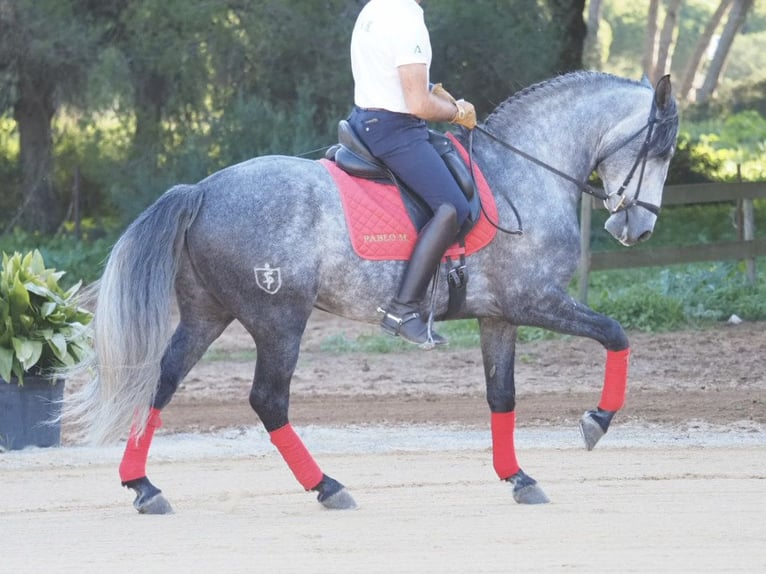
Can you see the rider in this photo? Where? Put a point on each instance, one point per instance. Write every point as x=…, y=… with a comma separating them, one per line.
x=390, y=60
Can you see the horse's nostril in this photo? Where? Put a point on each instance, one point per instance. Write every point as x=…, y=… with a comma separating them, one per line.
x=645, y=235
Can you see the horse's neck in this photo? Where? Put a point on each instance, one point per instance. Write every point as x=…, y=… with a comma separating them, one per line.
x=567, y=130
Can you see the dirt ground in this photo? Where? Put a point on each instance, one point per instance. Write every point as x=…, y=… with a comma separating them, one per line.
x=678, y=484
x=714, y=375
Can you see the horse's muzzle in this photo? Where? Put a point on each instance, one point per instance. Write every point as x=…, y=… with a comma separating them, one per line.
x=631, y=226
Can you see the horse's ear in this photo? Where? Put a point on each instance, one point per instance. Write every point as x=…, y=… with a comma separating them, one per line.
x=663, y=92
x=645, y=80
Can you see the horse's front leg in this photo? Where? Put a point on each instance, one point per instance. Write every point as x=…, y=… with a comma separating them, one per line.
x=498, y=344
x=563, y=314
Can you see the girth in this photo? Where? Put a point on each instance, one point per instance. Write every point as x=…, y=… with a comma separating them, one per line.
x=352, y=156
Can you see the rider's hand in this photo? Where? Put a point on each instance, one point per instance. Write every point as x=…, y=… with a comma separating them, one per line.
x=466, y=114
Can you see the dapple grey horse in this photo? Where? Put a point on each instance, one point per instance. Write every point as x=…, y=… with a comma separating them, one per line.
x=265, y=241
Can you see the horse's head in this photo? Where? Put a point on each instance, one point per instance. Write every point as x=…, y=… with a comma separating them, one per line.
x=634, y=173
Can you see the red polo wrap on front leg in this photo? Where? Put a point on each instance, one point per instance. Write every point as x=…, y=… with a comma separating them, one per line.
x=503, y=448
x=297, y=456
x=133, y=463
x=615, y=380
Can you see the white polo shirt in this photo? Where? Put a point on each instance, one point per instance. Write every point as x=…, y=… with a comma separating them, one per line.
x=387, y=34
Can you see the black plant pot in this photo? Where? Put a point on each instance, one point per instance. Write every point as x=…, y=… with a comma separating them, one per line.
x=25, y=412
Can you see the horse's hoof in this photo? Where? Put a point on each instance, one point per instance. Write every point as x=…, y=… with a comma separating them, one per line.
x=333, y=495
x=593, y=425
x=526, y=490
x=149, y=499
x=341, y=500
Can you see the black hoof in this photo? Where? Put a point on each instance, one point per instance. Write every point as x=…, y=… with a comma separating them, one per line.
x=593, y=425
x=526, y=489
x=149, y=499
x=333, y=495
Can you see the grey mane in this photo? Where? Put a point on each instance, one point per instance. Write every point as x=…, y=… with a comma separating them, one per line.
x=520, y=103
x=524, y=103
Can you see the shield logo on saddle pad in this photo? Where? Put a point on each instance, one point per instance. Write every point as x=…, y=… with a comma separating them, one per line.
x=268, y=278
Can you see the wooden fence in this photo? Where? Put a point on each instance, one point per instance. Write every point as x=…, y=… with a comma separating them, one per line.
x=746, y=247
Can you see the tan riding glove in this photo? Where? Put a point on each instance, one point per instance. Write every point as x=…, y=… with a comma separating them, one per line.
x=466, y=114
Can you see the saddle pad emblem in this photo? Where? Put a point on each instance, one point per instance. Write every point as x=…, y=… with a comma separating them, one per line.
x=379, y=226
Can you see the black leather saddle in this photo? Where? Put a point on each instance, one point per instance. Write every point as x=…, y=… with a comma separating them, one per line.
x=352, y=156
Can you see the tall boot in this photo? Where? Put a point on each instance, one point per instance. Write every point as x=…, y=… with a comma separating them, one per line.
x=402, y=317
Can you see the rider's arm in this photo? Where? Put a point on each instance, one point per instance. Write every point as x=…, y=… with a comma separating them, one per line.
x=420, y=101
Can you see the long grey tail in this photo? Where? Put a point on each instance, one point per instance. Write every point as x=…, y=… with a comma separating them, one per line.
x=132, y=323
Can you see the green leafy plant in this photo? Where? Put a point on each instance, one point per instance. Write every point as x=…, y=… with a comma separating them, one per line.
x=41, y=325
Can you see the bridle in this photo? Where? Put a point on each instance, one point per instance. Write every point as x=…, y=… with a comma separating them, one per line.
x=585, y=187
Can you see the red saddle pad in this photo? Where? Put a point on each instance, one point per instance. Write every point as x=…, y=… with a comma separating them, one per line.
x=378, y=222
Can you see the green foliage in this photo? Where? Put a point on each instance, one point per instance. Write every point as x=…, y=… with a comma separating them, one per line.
x=486, y=51
x=82, y=258
x=735, y=140
x=657, y=299
x=41, y=326
x=641, y=306
x=691, y=163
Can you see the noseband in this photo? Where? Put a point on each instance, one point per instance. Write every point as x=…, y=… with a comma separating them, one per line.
x=589, y=189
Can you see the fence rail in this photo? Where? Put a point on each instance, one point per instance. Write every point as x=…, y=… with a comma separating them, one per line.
x=746, y=248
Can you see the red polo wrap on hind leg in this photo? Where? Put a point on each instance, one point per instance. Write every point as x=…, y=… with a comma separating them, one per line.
x=503, y=448
x=133, y=463
x=615, y=380
x=297, y=456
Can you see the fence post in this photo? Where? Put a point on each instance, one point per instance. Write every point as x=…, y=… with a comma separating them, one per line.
x=748, y=226
x=746, y=223
x=586, y=205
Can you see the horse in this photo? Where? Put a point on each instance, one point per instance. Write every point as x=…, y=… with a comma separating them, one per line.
x=264, y=242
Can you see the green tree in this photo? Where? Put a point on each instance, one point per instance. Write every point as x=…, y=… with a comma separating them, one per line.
x=567, y=24
x=44, y=54
x=489, y=49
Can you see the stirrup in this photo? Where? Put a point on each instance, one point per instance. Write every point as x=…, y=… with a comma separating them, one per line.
x=395, y=325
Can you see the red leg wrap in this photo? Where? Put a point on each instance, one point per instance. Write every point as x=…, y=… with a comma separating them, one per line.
x=297, y=456
x=615, y=380
x=503, y=448
x=133, y=463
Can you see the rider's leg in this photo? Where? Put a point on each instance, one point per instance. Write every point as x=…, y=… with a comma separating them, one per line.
x=401, y=142
x=402, y=316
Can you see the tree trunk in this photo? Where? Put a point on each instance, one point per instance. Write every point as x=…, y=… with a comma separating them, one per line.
x=567, y=16
x=592, y=55
x=737, y=17
x=150, y=94
x=650, y=40
x=33, y=112
x=690, y=73
x=664, y=51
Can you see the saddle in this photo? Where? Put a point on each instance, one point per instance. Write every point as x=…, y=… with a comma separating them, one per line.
x=352, y=156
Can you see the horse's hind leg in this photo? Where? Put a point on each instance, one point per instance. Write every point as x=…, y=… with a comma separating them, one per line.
x=269, y=397
x=498, y=342
x=198, y=328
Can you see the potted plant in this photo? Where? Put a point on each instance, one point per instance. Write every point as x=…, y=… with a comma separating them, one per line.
x=42, y=329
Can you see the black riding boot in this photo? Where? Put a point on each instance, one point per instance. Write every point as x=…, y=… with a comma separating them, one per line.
x=402, y=317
